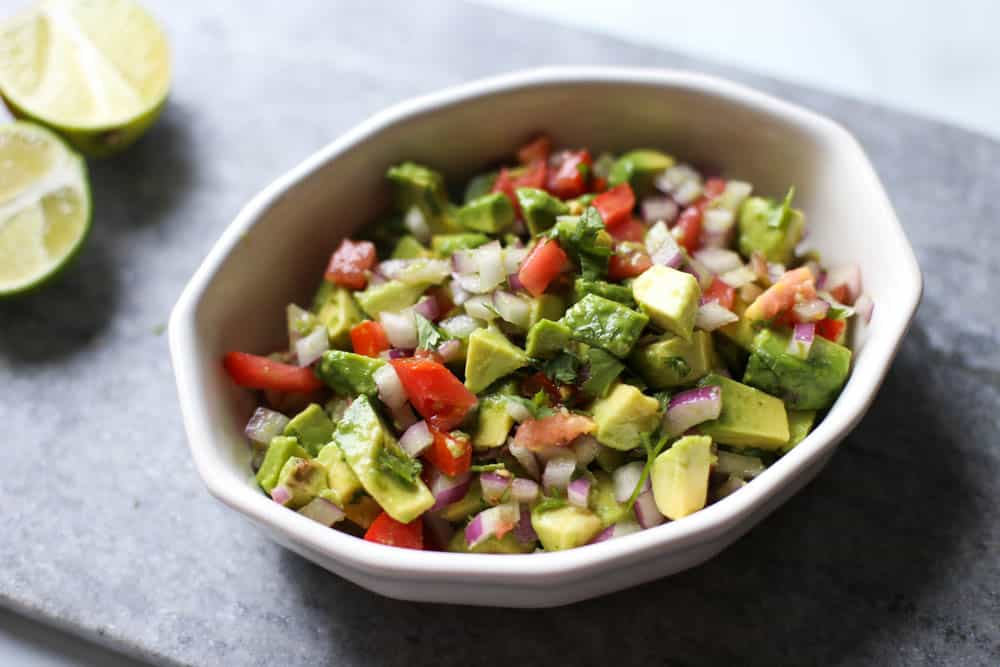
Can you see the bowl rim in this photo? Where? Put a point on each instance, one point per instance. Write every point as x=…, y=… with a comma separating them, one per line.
x=549, y=568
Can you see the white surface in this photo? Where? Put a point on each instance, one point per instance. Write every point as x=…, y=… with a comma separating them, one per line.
x=707, y=121
x=939, y=59
x=25, y=643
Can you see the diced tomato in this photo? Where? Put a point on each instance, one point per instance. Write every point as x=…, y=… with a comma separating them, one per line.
x=615, y=206
x=421, y=353
x=553, y=431
x=368, y=338
x=840, y=293
x=250, y=370
x=434, y=391
x=831, y=329
x=349, y=263
x=628, y=262
x=687, y=231
x=719, y=292
x=794, y=285
x=598, y=184
x=532, y=177
x=449, y=454
x=537, y=149
x=713, y=188
x=629, y=230
x=533, y=384
x=545, y=262
x=443, y=298
x=386, y=530
x=569, y=177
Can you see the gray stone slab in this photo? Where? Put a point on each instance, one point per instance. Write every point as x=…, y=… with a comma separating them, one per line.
x=889, y=557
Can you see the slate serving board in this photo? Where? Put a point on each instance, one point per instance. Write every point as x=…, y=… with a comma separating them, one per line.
x=892, y=556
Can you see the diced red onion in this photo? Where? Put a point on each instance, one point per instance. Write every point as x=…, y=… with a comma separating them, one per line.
x=699, y=271
x=376, y=279
x=655, y=209
x=673, y=178
x=585, y=447
x=604, y=535
x=400, y=354
x=712, y=315
x=515, y=282
x=265, y=424
x=512, y=258
x=759, y=265
x=429, y=308
x=403, y=416
x=716, y=239
x=524, y=532
x=400, y=328
x=450, y=350
x=310, y=348
x=524, y=490
x=281, y=495
x=518, y=412
x=512, y=308
x=492, y=522
x=729, y=487
x=775, y=271
x=733, y=196
x=620, y=529
x=524, y=456
x=802, y=339
x=865, y=307
x=848, y=275
x=730, y=463
x=415, y=222
x=578, y=492
x=464, y=262
x=738, y=277
x=719, y=260
x=392, y=268
x=667, y=256
x=458, y=295
x=299, y=320
x=459, y=326
x=692, y=407
x=489, y=258
x=647, y=512
x=466, y=283
x=812, y=310
x=416, y=439
x=322, y=511
x=390, y=389
x=656, y=236
x=687, y=192
x=494, y=485
x=481, y=307
x=626, y=478
x=447, y=490
x=558, y=471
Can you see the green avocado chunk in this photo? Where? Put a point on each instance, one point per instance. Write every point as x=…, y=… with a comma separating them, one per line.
x=417, y=186
x=640, y=169
x=344, y=484
x=603, y=500
x=304, y=479
x=680, y=476
x=311, y=427
x=812, y=383
x=539, y=209
x=672, y=361
x=749, y=418
x=390, y=296
x=371, y=451
x=800, y=422
x=546, y=339
x=445, y=245
x=620, y=293
x=610, y=459
x=586, y=241
x=348, y=373
x=565, y=527
x=669, y=297
x=770, y=227
x=508, y=544
x=471, y=503
x=742, y=331
x=624, y=416
x=601, y=372
x=491, y=356
x=279, y=450
x=604, y=323
x=410, y=248
x=336, y=310
x=546, y=307
x=491, y=213
x=479, y=186
x=493, y=423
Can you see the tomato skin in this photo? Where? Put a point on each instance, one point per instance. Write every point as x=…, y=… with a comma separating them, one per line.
x=350, y=262
x=628, y=263
x=533, y=384
x=537, y=149
x=629, y=230
x=719, y=292
x=687, y=231
x=386, y=530
x=533, y=177
x=440, y=453
x=256, y=372
x=569, y=178
x=555, y=430
x=434, y=391
x=369, y=338
x=541, y=266
x=713, y=188
x=599, y=184
x=615, y=206
x=840, y=293
x=830, y=329
x=421, y=353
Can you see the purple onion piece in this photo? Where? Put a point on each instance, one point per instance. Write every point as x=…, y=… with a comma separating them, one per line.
x=322, y=511
x=428, y=307
x=646, y=511
x=578, y=492
x=400, y=354
x=604, y=535
x=447, y=490
x=494, y=485
x=514, y=281
x=524, y=532
x=692, y=407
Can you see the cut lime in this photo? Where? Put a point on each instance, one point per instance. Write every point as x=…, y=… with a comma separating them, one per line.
x=44, y=206
x=96, y=71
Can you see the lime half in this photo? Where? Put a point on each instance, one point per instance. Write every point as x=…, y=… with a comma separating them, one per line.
x=44, y=206
x=96, y=71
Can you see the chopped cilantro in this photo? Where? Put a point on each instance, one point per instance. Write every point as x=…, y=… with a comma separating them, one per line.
x=585, y=240
x=563, y=368
x=428, y=336
x=549, y=503
x=399, y=465
x=487, y=467
x=780, y=216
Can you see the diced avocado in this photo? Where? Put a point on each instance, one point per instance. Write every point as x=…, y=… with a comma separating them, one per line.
x=508, y=544
x=603, y=500
x=602, y=370
x=336, y=407
x=639, y=168
x=624, y=416
x=669, y=297
x=731, y=355
x=336, y=309
x=546, y=339
x=344, y=484
x=491, y=213
x=491, y=356
x=739, y=465
x=390, y=296
x=348, y=373
x=418, y=186
x=280, y=449
x=812, y=383
x=479, y=186
x=362, y=512
x=492, y=422
x=539, y=209
x=672, y=361
x=368, y=445
x=311, y=427
x=471, y=503
x=800, y=422
x=609, y=459
x=410, y=248
x=770, y=227
x=565, y=527
x=304, y=479
x=620, y=293
x=749, y=418
x=445, y=245
x=740, y=332
x=546, y=307
x=604, y=323
x=586, y=241
x=680, y=476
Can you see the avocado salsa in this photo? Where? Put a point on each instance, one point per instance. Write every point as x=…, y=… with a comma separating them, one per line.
x=581, y=349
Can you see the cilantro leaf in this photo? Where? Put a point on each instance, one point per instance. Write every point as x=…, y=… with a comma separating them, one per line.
x=538, y=405
x=487, y=467
x=563, y=368
x=586, y=241
x=549, y=503
x=780, y=215
x=398, y=465
x=428, y=336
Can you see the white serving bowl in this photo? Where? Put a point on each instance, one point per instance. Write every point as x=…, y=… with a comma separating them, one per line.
x=275, y=249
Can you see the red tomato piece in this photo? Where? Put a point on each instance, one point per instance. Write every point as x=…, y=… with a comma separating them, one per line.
x=368, y=338
x=545, y=262
x=599, y=184
x=421, y=353
x=840, y=293
x=533, y=384
x=349, y=264
x=449, y=454
x=434, y=391
x=537, y=149
x=713, y=188
x=688, y=228
x=627, y=263
x=386, y=530
x=615, y=206
x=570, y=176
x=831, y=329
x=250, y=370
x=553, y=431
x=532, y=177
x=629, y=230
x=719, y=292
